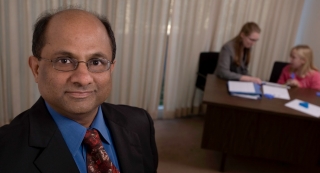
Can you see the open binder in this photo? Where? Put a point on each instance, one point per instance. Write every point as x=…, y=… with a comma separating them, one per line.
x=244, y=89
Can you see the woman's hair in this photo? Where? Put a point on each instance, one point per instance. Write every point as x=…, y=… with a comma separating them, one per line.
x=305, y=53
x=246, y=29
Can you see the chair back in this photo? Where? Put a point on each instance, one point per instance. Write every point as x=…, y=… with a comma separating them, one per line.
x=207, y=64
x=277, y=70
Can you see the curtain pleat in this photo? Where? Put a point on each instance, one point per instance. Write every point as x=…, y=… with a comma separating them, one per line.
x=141, y=31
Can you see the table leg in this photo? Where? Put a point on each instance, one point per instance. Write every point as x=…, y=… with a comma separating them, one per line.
x=223, y=161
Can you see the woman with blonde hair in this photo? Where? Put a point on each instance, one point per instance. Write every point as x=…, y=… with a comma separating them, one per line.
x=301, y=72
x=235, y=55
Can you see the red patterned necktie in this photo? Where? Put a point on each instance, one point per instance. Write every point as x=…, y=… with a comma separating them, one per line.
x=98, y=160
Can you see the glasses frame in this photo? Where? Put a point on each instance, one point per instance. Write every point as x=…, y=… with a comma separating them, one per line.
x=77, y=64
x=251, y=39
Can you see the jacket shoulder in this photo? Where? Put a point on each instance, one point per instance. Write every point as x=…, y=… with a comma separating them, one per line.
x=18, y=125
x=14, y=142
x=125, y=110
x=229, y=45
x=130, y=117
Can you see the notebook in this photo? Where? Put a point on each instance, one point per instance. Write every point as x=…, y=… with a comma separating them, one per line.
x=276, y=92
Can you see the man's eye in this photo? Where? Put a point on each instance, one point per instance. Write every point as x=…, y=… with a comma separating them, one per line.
x=64, y=60
x=97, y=62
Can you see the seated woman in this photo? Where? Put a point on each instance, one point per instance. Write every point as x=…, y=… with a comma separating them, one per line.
x=301, y=72
x=235, y=55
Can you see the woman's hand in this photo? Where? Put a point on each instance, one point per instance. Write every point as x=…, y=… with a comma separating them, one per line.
x=256, y=80
x=293, y=82
x=251, y=79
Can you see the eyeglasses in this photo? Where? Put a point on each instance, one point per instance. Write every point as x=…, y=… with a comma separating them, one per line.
x=251, y=39
x=96, y=65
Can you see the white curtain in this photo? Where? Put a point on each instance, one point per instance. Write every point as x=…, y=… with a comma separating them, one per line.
x=141, y=32
x=140, y=29
x=205, y=25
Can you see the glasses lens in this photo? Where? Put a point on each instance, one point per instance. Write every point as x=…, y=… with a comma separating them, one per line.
x=64, y=64
x=98, y=65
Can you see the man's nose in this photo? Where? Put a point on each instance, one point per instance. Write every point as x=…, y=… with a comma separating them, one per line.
x=81, y=75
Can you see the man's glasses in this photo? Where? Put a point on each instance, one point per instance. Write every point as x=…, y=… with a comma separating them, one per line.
x=96, y=65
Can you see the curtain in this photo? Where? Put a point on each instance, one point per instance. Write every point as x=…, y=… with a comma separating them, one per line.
x=141, y=34
x=205, y=25
x=308, y=27
x=140, y=28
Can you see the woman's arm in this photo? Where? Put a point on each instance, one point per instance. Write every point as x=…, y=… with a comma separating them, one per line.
x=223, y=67
x=224, y=62
x=250, y=79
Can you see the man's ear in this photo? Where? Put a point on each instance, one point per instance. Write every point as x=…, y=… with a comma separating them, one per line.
x=34, y=66
x=112, y=66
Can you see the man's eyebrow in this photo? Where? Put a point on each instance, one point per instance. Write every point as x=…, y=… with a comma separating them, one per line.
x=63, y=52
x=99, y=54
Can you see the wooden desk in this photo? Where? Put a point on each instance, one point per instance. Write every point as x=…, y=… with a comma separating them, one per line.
x=262, y=128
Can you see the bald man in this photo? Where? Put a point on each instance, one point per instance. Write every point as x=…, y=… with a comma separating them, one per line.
x=70, y=128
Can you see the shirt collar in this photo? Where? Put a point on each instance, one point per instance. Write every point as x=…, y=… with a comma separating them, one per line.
x=73, y=132
x=99, y=124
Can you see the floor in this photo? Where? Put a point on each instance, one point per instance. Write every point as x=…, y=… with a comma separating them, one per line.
x=179, y=142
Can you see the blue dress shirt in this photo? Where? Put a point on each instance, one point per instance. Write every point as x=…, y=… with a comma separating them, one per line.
x=73, y=134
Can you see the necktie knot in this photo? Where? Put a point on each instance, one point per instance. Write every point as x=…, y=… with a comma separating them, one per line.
x=98, y=160
x=92, y=139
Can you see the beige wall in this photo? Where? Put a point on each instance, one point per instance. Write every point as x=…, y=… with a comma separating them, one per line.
x=309, y=28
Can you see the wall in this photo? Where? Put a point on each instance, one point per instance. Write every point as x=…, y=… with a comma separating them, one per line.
x=308, y=31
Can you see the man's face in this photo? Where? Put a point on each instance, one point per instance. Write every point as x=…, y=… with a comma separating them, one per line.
x=80, y=36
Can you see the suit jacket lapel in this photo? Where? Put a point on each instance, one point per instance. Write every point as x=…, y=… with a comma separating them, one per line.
x=55, y=155
x=44, y=133
x=126, y=142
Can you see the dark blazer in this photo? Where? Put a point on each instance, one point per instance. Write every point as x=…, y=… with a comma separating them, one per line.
x=33, y=143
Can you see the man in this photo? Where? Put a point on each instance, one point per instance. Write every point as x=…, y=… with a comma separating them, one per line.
x=70, y=128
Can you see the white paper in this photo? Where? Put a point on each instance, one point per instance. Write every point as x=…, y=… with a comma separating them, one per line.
x=312, y=109
x=254, y=97
x=277, y=92
x=242, y=87
x=275, y=84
